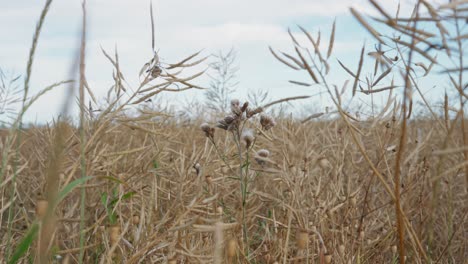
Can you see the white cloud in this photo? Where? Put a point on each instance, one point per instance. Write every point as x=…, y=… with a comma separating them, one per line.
x=182, y=27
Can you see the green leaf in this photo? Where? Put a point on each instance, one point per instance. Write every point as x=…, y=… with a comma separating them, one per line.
x=25, y=243
x=124, y=197
x=104, y=199
x=155, y=164
x=128, y=195
x=112, y=218
x=72, y=185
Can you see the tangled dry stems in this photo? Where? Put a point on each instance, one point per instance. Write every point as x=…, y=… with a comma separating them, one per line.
x=378, y=190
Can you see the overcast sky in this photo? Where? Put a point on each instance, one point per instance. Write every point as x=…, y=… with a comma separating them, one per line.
x=182, y=28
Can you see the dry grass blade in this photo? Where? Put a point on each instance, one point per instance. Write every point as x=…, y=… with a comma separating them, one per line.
x=152, y=26
x=313, y=116
x=82, y=128
x=460, y=69
x=311, y=39
x=32, y=51
x=152, y=94
x=458, y=88
x=93, y=97
x=33, y=99
x=293, y=38
x=186, y=79
x=319, y=37
x=424, y=36
x=285, y=100
x=109, y=57
x=332, y=40
x=298, y=63
x=356, y=79
x=314, y=44
x=381, y=76
x=181, y=63
x=379, y=89
x=366, y=25
x=383, y=12
x=430, y=66
x=439, y=25
x=300, y=83
x=337, y=94
x=416, y=30
x=346, y=69
x=306, y=65
x=195, y=63
x=126, y=152
x=461, y=37
x=414, y=48
x=282, y=60
x=446, y=112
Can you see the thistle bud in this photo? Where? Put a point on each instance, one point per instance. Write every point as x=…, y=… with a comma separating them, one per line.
x=250, y=113
x=209, y=131
x=267, y=122
x=244, y=106
x=229, y=119
x=156, y=72
x=222, y=124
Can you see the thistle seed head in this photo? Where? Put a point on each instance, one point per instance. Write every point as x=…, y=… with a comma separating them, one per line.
x=251, y=112
x=263, y=153
x=229, y=119
x=261, y=157
x=248, y=137
x=222, y=124
x=244, y=107
x=156, y=72
x=197, y=168
x=229, y=123
x=235, y=107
